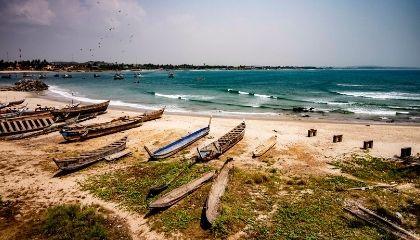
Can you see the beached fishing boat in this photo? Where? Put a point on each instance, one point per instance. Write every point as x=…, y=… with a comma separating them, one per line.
x=56, y=126
x=88, y=158
x=78, y=132
x=221, y=145
x=263, y=148
x=25, y=124
x=179, y=193
x=212, y=208
x=72, y=111
x=179, y=144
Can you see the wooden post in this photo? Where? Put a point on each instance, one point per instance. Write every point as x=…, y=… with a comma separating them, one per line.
x=405, y=152
x=337, y=138
x=367, y=144
x=312, y=132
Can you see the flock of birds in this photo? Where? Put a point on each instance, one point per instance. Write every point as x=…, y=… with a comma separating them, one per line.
x=110, y=32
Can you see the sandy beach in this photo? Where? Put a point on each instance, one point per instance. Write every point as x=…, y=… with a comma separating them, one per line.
x=26, y=167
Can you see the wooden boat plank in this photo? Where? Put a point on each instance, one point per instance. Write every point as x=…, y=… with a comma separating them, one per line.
x=216, y=192
x=179, y=193
x=3, y=127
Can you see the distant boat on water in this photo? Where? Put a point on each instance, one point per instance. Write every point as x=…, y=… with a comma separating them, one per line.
x=67, y=76
x=6, y=76
x=137, y=75
x=96, y=75
x=27, y=75
x=118, y=76
x=42, y=76
x=57, y=75
x=171, y=75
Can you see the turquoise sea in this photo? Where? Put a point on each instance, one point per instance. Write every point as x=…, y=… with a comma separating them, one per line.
x=365, y=94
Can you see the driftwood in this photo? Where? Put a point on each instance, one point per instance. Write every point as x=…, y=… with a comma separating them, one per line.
x=212, y=208
x=380, y=222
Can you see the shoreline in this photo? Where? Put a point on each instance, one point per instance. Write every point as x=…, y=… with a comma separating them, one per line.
x=281, y=117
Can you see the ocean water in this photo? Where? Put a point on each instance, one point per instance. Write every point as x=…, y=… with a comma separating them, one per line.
x=372, y=94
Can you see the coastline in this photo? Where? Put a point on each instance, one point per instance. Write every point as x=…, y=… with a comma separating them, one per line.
x=250, y=116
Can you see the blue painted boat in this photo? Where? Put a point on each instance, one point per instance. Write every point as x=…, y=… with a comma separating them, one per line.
x=179, y=144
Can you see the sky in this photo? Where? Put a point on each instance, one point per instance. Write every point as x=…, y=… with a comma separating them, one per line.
x=213, y=32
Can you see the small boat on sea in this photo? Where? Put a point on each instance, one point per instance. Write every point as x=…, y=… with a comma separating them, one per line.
x=88, y=158
x=25, y=124
x=42, y=76
x=77, y=132
x=96, y=75
x=221, y=145
x=118, y=76
x=212, y=208
x=176, y=146
x=179, y=193
x=27, y=75
x=67, y=76
x=263, y=148
x=9, y=76
x=171, y=75
x=75, y=110
x=57, y=75
x=137, y=75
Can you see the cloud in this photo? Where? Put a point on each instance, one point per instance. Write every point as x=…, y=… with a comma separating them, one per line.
x=32, y=12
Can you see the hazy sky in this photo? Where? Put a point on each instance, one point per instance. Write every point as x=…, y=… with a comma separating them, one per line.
x=320, y=33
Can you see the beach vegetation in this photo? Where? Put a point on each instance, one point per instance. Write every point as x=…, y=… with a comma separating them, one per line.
x=262, y=203
x=69, y=221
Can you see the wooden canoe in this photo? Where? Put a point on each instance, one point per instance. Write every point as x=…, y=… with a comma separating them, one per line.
x=25, y=124
x=88, y=158
x=56, y=126
x=212, y=208
x=263, y=148
x=78, y=132
x=72, y=111
x=178, y=145
x=179, y=193
x=221, y=145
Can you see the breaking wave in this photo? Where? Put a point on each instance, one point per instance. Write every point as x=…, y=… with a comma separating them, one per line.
x=383, y=95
